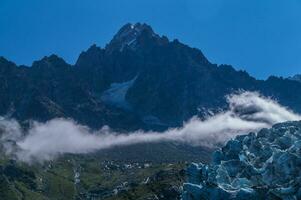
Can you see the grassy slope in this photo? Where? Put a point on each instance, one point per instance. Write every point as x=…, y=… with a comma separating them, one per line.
x=120, y=174
x=98, y=179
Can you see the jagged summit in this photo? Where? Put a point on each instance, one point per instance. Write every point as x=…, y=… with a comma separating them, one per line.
x=50, y=61
x=133, y=30
x=296, y=77
x=165, y=81
x=129, y=34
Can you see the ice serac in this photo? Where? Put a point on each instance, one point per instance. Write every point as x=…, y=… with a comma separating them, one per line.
x=266, y=165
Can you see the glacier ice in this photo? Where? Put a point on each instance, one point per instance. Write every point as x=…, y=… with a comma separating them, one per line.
x=266, y=165
x=115, y=95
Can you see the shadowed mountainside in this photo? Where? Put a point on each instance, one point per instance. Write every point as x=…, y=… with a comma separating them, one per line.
x=140, y=80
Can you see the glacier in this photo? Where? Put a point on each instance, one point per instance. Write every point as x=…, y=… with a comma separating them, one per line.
x=263, y=165
x=116, y=93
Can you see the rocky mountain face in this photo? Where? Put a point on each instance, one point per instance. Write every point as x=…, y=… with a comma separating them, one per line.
x=296, y=77
x=265, y=165
x=140, y=80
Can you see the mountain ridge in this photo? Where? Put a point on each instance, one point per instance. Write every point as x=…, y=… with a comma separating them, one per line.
x=172, y=83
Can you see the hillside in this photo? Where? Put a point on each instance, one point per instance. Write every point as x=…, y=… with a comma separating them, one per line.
x=140, y=80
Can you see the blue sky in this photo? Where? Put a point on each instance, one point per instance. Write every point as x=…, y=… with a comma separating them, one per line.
x=262, y=37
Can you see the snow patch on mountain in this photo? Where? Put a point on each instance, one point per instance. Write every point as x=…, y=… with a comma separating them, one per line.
x=116, y=94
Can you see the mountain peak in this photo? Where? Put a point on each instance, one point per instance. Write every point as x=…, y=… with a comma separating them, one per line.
x=50, y=61
x=6, y=64
x=3, y=60
x=128, y=35
x=296, y=77
x=133, y=30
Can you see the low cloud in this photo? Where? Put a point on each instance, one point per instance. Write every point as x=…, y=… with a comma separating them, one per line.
x=248, y=111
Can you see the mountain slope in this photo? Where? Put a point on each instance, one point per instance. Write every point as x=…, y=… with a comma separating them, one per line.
x=140, y=80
